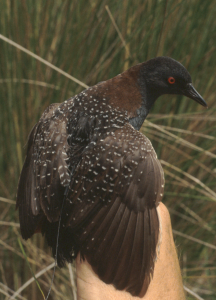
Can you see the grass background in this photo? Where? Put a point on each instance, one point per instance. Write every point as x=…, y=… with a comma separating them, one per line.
x=95, y=40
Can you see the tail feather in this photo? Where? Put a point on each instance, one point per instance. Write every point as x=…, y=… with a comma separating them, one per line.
x=122, y=250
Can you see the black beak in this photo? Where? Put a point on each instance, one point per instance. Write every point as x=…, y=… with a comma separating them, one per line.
x=191, y=92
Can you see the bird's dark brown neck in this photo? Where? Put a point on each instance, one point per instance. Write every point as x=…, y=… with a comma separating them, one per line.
x=127, y=92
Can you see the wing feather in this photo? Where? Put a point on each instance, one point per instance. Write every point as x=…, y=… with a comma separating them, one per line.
x=110, y=211
x=111, y=208
x=44, y=174
x=27, y=200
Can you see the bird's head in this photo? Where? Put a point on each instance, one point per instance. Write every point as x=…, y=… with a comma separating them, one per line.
x=164, y=75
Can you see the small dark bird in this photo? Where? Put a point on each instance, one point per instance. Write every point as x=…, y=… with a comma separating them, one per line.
x=87, y=161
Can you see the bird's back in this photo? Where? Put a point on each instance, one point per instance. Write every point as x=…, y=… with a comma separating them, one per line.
x=115, y=183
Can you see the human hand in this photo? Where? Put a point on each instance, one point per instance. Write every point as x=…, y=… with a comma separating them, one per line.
x=165, y=285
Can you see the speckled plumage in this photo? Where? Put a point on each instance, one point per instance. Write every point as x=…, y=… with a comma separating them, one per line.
x=88, y=150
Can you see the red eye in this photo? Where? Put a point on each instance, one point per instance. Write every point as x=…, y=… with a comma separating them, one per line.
x=171, y=80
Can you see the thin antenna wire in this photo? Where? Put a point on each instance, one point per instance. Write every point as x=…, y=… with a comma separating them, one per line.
x=57, y=240
x=59, y=224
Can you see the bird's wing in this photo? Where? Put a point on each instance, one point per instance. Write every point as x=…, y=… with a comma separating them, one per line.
x=45, y=173
x=111, y=207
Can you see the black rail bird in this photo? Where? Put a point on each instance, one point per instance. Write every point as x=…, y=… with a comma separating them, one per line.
x=88, y=151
